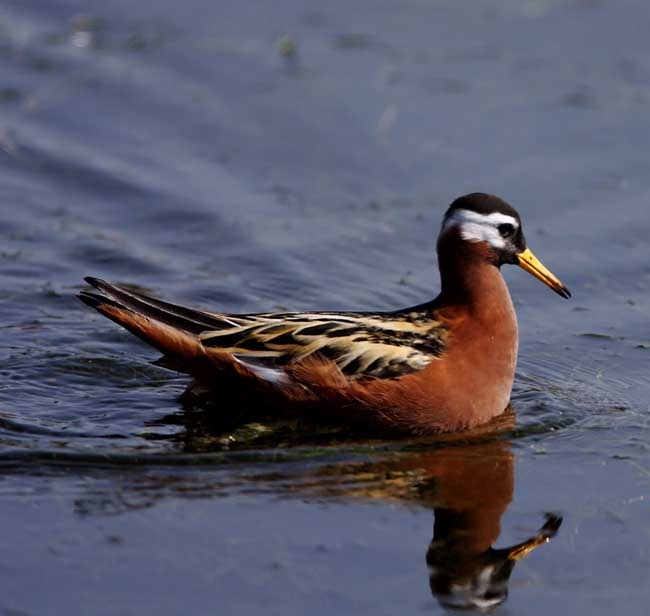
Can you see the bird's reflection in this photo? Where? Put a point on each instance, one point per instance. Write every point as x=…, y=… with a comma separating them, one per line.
x=467, y=483
x=469, y=490
x=469, y=487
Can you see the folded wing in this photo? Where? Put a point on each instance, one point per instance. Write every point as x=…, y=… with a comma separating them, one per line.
x=362, y=345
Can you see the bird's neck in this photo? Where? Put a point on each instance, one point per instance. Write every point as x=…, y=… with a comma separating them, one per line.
x=469, y=279
x=483, y=347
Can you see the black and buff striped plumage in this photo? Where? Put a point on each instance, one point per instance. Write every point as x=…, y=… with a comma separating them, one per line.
x=361, y=345
x=382, y=345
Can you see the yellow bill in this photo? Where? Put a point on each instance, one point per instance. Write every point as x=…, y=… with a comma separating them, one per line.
x=544, y=535
x=528, y=261
x=524, y=549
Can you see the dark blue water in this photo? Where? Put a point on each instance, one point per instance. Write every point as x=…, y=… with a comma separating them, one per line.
x=258, y=156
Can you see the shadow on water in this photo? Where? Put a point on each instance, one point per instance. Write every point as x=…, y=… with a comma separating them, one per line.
x=466, y=480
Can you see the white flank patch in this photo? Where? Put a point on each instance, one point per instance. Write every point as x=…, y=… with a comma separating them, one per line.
x=275, y=376
x=475, y=227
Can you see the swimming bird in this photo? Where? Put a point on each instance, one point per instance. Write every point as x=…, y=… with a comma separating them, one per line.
x=441, y=366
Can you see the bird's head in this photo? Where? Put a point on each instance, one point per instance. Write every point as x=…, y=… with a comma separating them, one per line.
x=479, y=218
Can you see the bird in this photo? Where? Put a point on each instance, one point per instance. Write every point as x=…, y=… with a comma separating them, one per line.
x=446, y=365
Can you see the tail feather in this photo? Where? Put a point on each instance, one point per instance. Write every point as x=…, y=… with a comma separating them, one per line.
x=171, y=329
x=186, y=319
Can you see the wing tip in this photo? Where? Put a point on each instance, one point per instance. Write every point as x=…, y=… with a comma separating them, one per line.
x=91, y=299
x=98, y=301
x=97, y=283
x=100, y=294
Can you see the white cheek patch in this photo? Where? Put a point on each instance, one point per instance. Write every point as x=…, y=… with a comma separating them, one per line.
x=475, y=227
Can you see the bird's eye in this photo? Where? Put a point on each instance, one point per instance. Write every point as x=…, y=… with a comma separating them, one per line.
x=506, y=229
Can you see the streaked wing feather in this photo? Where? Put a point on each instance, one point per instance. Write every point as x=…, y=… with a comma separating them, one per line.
x=362, y=345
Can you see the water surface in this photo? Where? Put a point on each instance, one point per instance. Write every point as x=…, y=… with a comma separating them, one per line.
x=258, y=156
